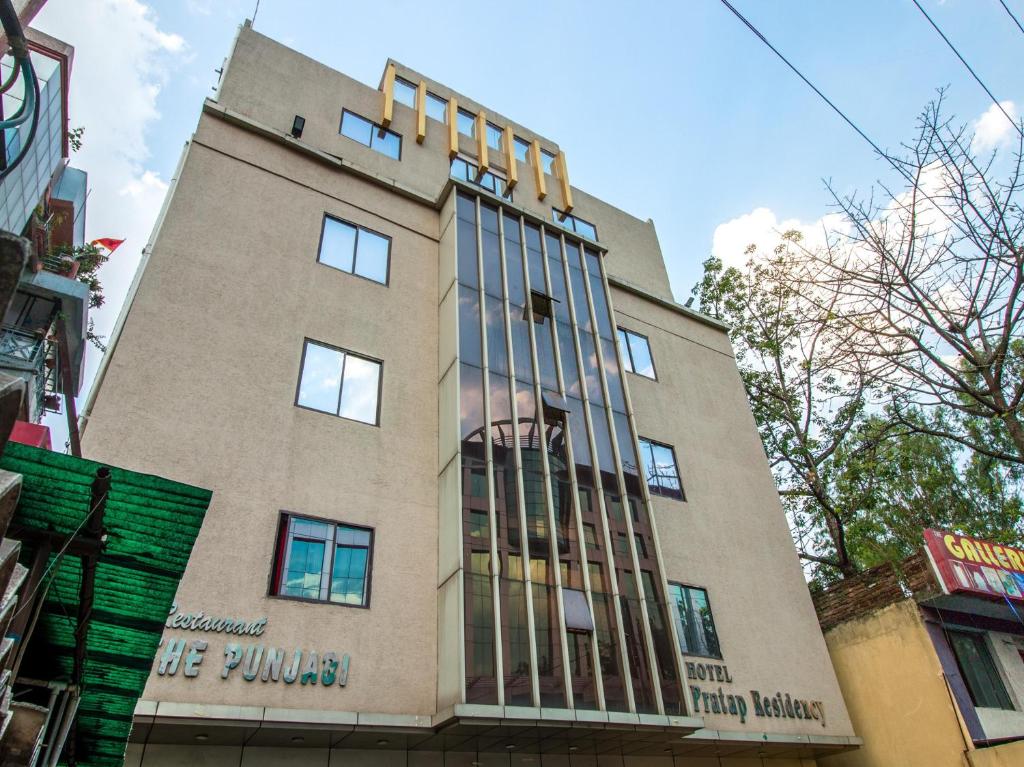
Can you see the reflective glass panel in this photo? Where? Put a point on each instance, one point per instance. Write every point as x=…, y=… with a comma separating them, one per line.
x=372, y=256
x=359, y=389
x=348, y=577
x=494, y=136
x=305, y=565
x=640, y=352
x=467, y=123
x=547, y=161
x=522, y=149
x=437, y=108
x=627, y=361
x=387, y=143
x=694, y=622
x=320, y=384
x=356, y=128
x=405, y=92
x=586, y=229
x=337, y=244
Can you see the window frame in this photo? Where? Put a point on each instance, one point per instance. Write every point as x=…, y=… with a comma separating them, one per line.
x=675, y=463
x=547, y=162
x=518, y=141
x=711, y=611
x=505, y=195
x=563, y=219
x=444, y=109
x=374, y=126
x=629, y=352
x=355, y=249
x=472, y=122
x=497, y=131
x=306, y=341
x=981, y=638
x=405, y=83
x=279, y=557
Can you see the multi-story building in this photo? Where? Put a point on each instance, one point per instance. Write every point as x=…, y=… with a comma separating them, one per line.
x=482, y=490
x=42, y=198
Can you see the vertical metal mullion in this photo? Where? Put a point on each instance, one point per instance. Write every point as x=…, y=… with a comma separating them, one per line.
x=570, y=460
x=638, y=581
x=524, y=538
x=325, y=578
x=495, y=566
x=460, y=573
x=646, y=495
x=341, y=382
x=546, y=472
x=627, y=674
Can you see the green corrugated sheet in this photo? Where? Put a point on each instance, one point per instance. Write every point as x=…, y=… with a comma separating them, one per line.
x=151, y=524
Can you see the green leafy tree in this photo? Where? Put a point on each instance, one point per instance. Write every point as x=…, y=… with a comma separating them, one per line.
x=859, y=481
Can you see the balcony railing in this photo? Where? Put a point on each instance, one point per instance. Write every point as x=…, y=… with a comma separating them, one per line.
x=35, y=353
x=20, y=349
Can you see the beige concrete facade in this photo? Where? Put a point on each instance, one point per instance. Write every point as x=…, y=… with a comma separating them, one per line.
x=200, y=385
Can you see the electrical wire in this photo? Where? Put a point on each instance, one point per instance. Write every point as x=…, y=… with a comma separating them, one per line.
x=811, y=85
x=969, y=68
x=28, y=103
x=1015, y=19
x=27, y=143
x=26, y=601
x=885, y=156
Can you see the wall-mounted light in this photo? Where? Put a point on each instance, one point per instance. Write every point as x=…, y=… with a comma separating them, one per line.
x=297, y=125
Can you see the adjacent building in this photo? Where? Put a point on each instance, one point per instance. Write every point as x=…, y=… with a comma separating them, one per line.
x=483, y=491
x=930, y=655
x=45, y=328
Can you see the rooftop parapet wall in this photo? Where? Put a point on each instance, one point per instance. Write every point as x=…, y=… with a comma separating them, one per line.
x=271, y=84
x=874, y=589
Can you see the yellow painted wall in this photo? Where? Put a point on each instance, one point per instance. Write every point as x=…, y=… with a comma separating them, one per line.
x=895, y=693
x=1008, y=755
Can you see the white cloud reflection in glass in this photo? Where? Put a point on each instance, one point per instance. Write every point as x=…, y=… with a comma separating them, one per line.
x=337, y=382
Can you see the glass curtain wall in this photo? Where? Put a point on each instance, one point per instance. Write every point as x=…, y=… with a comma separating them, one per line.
x=553, y=503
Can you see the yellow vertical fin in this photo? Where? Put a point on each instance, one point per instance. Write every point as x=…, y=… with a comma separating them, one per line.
x=389, y=95
x=510, y=159
x=563, y=178
x=421, y=112
x=538, y=170
x=481, y=141
x=453, y=128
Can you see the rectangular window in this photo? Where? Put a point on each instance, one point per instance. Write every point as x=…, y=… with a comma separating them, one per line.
x=522, y=149
x=661, y=470
x=437, y=108
x=636, y=353
x=467, y=123
x=323, y=561
x=494, y=134
x=339, y=382
x=574, y=224
x=354, y=249
x=470, y=173
x=979, y=670
x=370, y=134
x=694, y=622
x=405, y=92
x=547, y=161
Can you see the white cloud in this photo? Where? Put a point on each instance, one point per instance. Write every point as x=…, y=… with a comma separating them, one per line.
x=122, y=59
x=762, y=228
x=992, y=129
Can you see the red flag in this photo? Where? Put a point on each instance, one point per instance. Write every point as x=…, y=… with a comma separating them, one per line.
x=107, y=242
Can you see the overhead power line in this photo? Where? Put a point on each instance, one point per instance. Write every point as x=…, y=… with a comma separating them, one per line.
x=969, y=69
x=1015, y=19
x=800, y=74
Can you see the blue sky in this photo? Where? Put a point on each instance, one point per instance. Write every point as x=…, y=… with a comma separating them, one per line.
x=672, y=111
